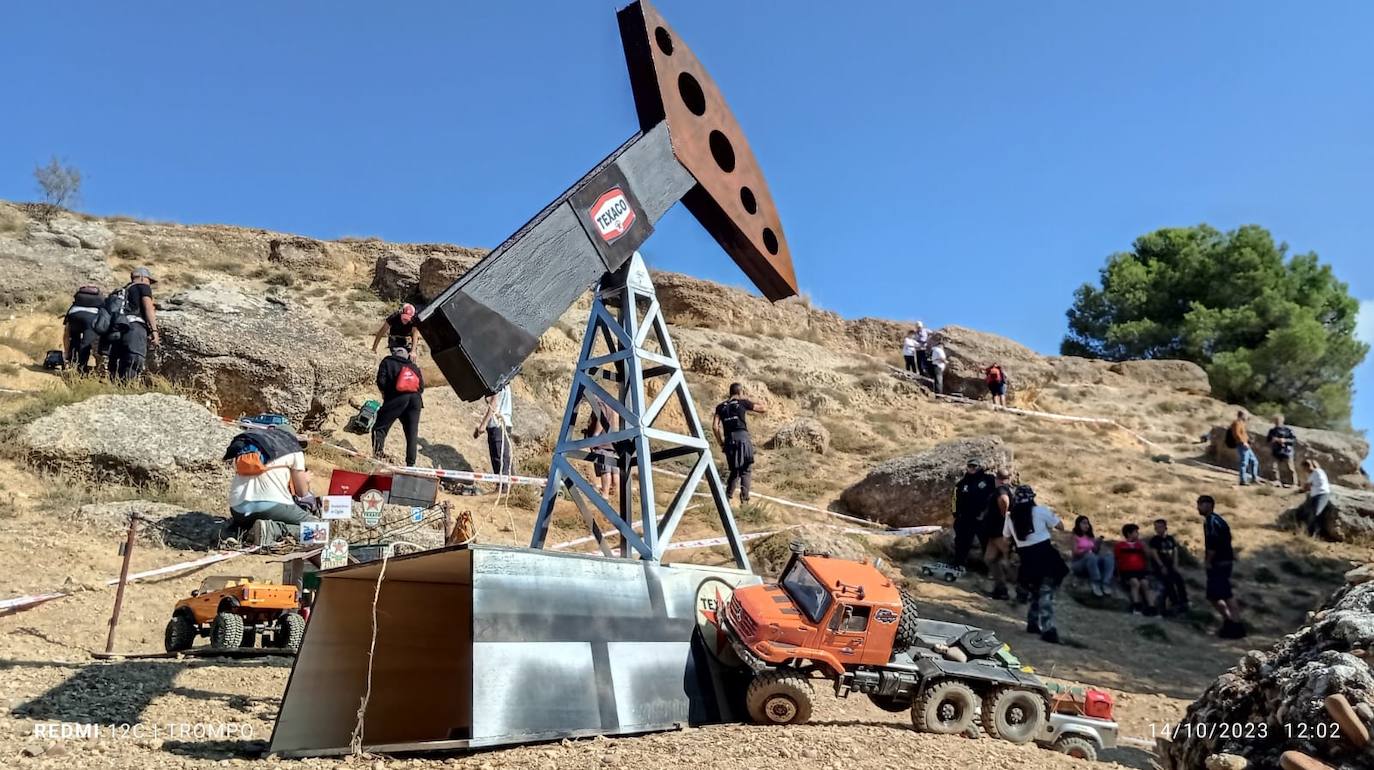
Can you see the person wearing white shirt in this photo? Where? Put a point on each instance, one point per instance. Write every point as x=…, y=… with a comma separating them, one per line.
x=938, y=361
x=1042, y=567
x=909, y=347
x=497, y=422
x=1318, y=489
x=922, y=350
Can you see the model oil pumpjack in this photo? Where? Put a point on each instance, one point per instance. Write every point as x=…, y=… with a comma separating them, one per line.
x=479, y=645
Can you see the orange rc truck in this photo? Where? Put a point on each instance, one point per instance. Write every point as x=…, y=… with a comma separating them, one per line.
x=232, y=611
x=847, y=621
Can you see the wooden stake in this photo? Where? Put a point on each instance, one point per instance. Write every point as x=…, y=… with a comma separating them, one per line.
x=123, y=580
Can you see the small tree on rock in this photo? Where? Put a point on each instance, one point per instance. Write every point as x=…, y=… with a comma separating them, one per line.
x=60, y=185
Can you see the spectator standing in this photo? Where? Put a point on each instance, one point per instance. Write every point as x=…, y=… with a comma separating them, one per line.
x=1090, y=559
x=605, y=462
x=1219, y=562
x=1247, y=463
x=497, y=421
x=731, y=426
x=1042, y=568
x=1281, y=440
x=1133, y=567
x=78, y=328
x=136, y=325
x=996, y=378
x=909, y=348
x=922, y=350
x=402, y=386
x=401, y=330
x=1163, y=549
x=996, y=550
x=938, y=362
x=972, y=495
x=1318, y=489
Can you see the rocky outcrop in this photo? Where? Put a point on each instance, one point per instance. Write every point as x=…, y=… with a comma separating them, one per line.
x=163, y=524
x=146, y=438
x=1286, y=689
x=1349, y=516
x=1184, y=376
x=305, y=255
x=805, y=432
x=256, y=354
x=396, y=275
x=51, y=260
x=1340, y=454
x=971, y=352
x=915, y=489
x=438, y=271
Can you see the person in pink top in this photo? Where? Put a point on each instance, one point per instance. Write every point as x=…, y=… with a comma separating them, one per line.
x=1091, y=559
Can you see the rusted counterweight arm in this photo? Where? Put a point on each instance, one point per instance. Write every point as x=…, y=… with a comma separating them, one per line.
x=689, y=148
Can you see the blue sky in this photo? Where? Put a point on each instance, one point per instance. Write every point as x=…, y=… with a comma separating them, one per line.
x=957, y=162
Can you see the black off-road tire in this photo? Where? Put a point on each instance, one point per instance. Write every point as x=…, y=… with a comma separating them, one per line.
x=180, y=634
x=907, y=623
x=947, y=707
x=289, y=631
x=780, y=697
x=1014, y=715
x=226, y=631
x=890, y=703
x=1077, y=746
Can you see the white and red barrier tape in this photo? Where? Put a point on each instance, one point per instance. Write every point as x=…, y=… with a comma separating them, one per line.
x=20, y=603
x=710, y=542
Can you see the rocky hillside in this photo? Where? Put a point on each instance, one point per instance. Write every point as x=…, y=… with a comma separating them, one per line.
x=262, y=321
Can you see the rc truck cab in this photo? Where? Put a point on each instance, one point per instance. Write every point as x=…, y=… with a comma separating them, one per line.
x=233, y=611
x=849, y=622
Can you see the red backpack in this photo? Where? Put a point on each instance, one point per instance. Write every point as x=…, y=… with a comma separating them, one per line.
x=408, y=380
x=995, y=375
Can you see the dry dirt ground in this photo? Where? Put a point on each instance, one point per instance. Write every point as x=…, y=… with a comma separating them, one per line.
x=1155, y=667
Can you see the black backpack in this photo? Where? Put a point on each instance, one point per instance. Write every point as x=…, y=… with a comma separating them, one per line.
x=1231, y=441
x=54, y=360
x=112, y=313
x=732, y=416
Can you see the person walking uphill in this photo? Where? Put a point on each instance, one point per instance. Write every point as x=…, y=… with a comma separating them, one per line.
x=402, y=386
x=79, y=336
x=996, y=378
x=972, y=495
x=133, y=325
x=1318, y=489
x=497, y=421
x=732, y=431
x=1238, y=438
x=399, y=328
x=1042, y=568
x=1219, y=558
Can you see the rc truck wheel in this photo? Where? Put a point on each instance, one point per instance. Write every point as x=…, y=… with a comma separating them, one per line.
x=1077, y=746
x=180, y=633
x=780, y=698
x=947, y=708
x=889, y=703
x=1013, y=715
x=906, y=625
x=226, y=631
x=290, y=630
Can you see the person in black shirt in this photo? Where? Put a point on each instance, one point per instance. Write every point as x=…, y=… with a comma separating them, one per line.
x=402, y=386
x=1219, y=560
x=732, y=431
x=136, y=327
x=972, y=495
x=400, y=329
x=78, y=327
x=1281, y=440
x=1163, y=550
x=996, y=548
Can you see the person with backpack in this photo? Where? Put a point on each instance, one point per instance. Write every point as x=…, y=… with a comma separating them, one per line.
x=129, y=321
x=1281, y=440
x=996, y=378
x=1238, y=438
x=1042, y=568
x=497, y=421
x=402, y=386
x=401, y=330
x=78, y=328
x=269, y=496
x=731, y=426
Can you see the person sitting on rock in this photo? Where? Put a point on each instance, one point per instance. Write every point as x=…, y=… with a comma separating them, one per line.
x=1163, y=550
x=402, y=386
x=269, y=495
x=1312, y=512
x=1090, y=559
x=401, y=330
x=1133, y=568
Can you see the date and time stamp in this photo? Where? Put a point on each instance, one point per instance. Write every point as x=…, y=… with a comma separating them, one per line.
x=1247, y=731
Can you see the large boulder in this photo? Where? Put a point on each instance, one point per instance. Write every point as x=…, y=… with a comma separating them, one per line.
x=256, y=354
x=50, y=260
x=1168, y=374
x=1284, y=688
x=438, y=271
x=146, y=438
x=1349, y=516
x=971, y=352
x=396, y=275
x=915, y=489
x=164, y=524
x=1339, y=454
x=769, y=554
x=805, y=432
x=305, y=255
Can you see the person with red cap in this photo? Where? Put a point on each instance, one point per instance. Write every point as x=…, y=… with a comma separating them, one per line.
x=400, y=330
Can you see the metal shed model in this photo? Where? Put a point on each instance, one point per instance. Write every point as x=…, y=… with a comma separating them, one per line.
x=483, y=646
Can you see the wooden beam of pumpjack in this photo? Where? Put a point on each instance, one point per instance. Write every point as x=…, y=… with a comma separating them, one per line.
x=688, y=148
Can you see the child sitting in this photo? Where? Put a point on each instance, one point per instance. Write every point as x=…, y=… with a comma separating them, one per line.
x=1133, y=566
x=1173, y=594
